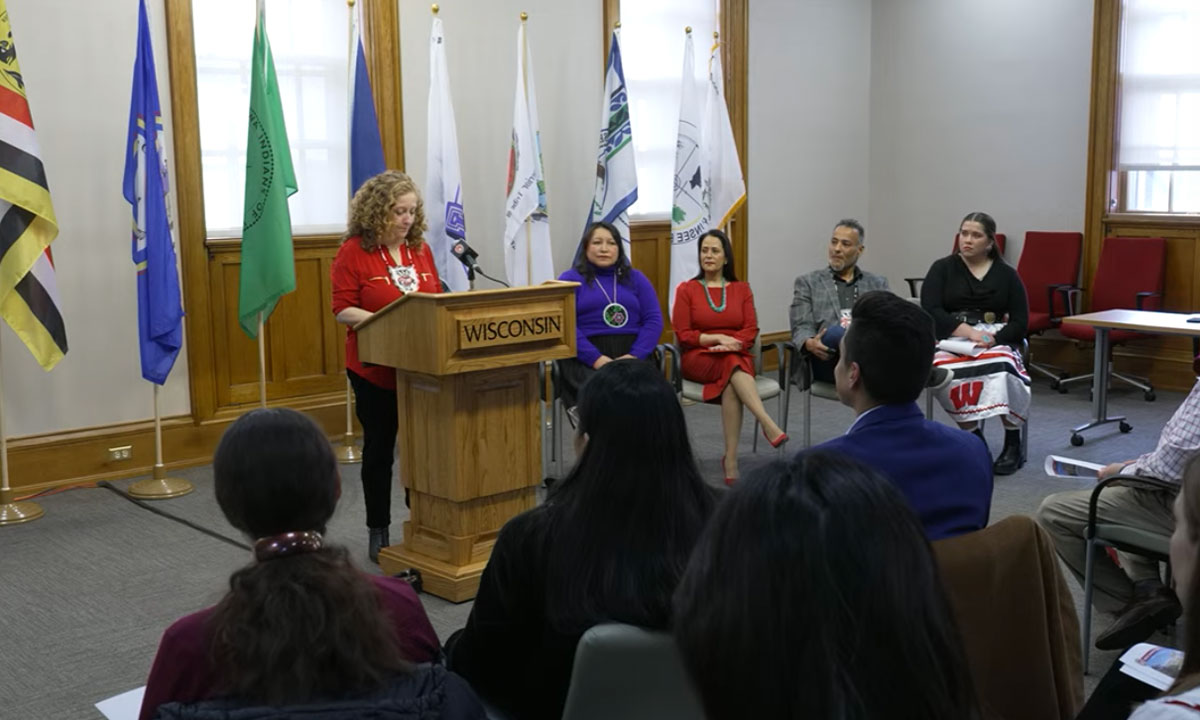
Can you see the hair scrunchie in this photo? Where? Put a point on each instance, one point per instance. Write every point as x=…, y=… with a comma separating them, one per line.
x=285, y=544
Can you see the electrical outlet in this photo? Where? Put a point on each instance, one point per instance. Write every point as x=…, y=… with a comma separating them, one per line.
x=116, y=454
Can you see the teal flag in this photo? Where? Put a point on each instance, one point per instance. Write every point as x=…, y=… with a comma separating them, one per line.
x=268, y=270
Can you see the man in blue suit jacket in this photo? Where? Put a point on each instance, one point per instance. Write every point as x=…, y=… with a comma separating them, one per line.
x=885, y=360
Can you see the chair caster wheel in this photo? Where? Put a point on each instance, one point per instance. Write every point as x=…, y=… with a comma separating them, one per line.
x=1062, y=389
x=1091, y=395
x=1054, y=385
x=1125, y=427
x=1149, y=395
x=1076, y=439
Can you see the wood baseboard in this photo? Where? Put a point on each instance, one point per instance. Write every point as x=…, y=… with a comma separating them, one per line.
x=39, y=462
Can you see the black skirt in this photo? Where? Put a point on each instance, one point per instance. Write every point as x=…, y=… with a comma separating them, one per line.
x=573, y=374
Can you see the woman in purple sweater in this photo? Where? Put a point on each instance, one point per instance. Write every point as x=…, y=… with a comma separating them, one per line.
x=616, y=308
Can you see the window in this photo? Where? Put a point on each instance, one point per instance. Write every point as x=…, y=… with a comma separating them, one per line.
x=309, y=44
x=652, y=53
x=1158, y=144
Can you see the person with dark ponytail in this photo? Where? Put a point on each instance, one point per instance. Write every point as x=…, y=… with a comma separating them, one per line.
x=300, y=624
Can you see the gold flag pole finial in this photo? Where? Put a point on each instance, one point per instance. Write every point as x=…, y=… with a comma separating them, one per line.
x=716, y=35
x=524, y=17
x=349, y=3
x=688, y=29
x=434, y=8
x=617, y=25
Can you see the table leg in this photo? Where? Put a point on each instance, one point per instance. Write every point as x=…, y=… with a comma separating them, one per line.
x=1100, y=369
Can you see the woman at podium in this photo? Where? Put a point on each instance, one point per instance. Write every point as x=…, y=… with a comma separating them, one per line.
x=716, y=325
x=616, y=308
x=384, y=256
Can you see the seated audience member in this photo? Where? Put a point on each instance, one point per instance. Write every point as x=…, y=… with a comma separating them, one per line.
x=974, y=295
x=883, y=366
x=814, y=594
x=1134, y=591
x=716, y=324
x=1182, y=701
x=821, y=300
x=609, y=544
x=616, y=309
x=300, y=625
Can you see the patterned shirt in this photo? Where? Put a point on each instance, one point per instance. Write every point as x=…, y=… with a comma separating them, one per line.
x=1179, y=442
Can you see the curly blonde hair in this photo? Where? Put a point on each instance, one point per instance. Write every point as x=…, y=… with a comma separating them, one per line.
x=371, y=210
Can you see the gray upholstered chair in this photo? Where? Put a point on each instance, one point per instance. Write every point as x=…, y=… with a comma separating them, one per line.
x=631, y=673
x=1125, y=538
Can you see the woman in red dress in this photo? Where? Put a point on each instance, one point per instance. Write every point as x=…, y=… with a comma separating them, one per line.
x=715, y=324
x=383, y=257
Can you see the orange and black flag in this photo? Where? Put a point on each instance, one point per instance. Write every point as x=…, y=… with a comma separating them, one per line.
x=28, y=292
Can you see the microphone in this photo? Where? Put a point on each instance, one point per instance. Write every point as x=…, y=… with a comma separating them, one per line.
x=470, y=259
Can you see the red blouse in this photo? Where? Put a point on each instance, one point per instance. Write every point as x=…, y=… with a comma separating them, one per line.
x=361, y=279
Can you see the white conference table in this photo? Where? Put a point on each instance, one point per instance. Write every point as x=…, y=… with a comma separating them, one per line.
x=1157, y=323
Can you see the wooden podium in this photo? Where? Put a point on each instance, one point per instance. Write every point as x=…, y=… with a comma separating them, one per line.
x=470, y=435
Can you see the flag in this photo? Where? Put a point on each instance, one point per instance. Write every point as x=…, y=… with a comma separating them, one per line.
x=366, y=148
x=268, y=270
x=527, y=257
x=28, y=291
x=616, y=174
x=689, y=211
x=160, y=314
x=727, y=189
x=443, y=184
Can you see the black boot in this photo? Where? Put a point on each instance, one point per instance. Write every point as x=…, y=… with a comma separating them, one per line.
x=377, y=540
x=1009, y=460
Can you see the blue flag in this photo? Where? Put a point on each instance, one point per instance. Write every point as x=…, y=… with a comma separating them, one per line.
x=366, y=149
x=160, y=313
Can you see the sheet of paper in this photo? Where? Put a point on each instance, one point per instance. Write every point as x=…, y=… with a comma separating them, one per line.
x=1065, y=467
x=1152, y=664
x=960, y=346
x=125, y=706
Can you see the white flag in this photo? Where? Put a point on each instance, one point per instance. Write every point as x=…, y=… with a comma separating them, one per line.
x=443, y=184
x=527, y=257
x=727, y=189
x=616, y=174
x=689, y=214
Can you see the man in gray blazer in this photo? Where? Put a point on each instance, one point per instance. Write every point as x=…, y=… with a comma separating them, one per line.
x=821, y=300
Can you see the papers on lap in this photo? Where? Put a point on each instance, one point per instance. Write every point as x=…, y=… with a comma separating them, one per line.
x=1063, y=467
x=960, y=346
x=126, y=706
x=1152, y=664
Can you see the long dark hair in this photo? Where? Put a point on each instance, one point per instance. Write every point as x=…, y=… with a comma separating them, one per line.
x=814, y=594
x=623, y=522
x=727, y=270
x=989, y=229
x=585, y=268
x=306, y=625
x=1189, y=673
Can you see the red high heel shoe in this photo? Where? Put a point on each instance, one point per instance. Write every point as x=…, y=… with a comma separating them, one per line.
x=783, y=437
x=728, y=480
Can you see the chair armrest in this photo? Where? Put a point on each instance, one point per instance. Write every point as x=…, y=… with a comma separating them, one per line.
x=1068, y=292
x=1143, y=482
x=914, y=286
x=1141, y=298
x=667, y=355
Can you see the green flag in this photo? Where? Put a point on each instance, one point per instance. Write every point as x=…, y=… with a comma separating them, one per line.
x=268, y=270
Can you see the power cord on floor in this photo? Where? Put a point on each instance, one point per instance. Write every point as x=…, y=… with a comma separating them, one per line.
x=147, y=506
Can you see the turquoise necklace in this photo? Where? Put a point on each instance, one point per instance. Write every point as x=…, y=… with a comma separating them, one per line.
x=708, y=296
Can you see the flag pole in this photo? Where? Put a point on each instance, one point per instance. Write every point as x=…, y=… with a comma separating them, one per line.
x=348, y=452
x=159, y=486
x=11, y=512
x=537, y=154
x=262, y=364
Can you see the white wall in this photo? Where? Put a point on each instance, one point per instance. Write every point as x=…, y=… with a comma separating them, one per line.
x=975, y=105
x=566, y=42
x=77, y=59
x=810, y=65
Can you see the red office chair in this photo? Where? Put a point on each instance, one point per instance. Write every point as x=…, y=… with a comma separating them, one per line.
x=1129, y=276
x=1049, y=265
x=914, y=284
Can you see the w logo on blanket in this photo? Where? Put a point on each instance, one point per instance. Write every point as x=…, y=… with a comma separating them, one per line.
x=966, y=394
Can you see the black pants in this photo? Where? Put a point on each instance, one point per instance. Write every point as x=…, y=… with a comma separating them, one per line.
x=1116, y=696
x=574, y=373
x=376, y=411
